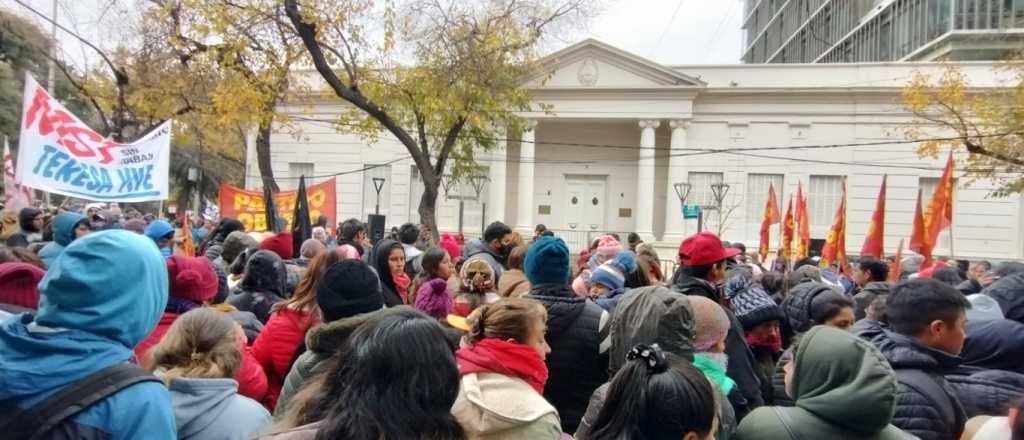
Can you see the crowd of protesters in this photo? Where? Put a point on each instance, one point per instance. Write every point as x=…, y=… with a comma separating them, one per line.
x=109, y=330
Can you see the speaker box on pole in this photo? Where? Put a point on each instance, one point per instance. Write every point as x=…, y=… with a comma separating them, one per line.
x=375, y=224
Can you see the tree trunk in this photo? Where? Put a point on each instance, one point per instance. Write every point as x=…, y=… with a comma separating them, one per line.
x=428, y=207
x=263, y=157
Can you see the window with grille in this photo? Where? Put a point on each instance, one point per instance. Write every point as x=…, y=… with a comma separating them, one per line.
x=370, y=193
x=296, y=170
x=700, y=188
x=823, y=196
x=757, y=197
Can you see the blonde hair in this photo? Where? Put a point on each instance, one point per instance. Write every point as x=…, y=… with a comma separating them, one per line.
x=510, y=318
x=201, y=344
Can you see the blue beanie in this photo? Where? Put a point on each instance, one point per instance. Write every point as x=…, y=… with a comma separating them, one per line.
x=158, y=229
x=612, y=274
x=547, y=262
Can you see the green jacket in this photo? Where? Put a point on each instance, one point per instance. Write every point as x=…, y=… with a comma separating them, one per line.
x=843, y=388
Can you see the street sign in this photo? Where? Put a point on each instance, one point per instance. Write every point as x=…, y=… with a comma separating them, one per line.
x=691, y=211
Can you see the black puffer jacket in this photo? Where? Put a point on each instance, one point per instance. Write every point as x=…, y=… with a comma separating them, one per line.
x=797, y=306
x=866, y=296
x=263, y=285
x=986, y=392
x=1009, y=293
x=576, y=366
x=969, y=287
x=996, y=344
x=926, y=403
x=741, y=359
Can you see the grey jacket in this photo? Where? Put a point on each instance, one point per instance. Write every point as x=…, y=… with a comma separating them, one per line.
x=213, y=409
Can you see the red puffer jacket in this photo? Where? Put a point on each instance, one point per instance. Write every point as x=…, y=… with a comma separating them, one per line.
x=252, y=382
x=275, y=348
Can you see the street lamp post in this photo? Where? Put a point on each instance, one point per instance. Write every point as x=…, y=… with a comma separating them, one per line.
x=683, y=192
x=478, y=181
x=378, y=185
x=719, y=191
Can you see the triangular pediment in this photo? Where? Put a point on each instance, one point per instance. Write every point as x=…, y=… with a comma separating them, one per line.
x=593, y=64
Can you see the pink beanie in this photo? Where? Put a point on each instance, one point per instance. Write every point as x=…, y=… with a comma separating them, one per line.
x=348, y=251
x=709, y=321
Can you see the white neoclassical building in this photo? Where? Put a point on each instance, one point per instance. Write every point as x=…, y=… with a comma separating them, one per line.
x=623, y=130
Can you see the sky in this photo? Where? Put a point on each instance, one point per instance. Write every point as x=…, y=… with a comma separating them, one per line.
x=665, y=31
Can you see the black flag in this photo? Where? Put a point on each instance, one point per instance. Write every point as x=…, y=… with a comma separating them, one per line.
x=302, y=227
x=271, y=207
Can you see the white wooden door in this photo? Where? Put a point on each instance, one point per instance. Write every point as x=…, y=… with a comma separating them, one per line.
x=585, y=204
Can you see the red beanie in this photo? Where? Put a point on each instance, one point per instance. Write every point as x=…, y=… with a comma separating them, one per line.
x=191, y=278
x=19, y=284
x=280, y=244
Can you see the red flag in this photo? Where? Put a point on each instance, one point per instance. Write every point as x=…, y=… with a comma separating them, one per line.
x=788, y=230
x=771, y=217
x=835, y=244
x=186, y=234
x=874, y=241
x=918, y=237
x=897, y=266
x=939, y=215
x=803, y=236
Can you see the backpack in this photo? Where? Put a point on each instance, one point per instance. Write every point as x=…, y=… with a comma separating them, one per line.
x=35, y=422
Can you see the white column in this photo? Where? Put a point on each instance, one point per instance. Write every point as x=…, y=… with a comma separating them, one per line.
x=496, y=186
x=524, y=221
x=674, y=229
x=644, y=215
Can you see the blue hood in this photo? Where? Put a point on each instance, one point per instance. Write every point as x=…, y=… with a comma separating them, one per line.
x=35, y=363
x=111, y=283
x=64, y=227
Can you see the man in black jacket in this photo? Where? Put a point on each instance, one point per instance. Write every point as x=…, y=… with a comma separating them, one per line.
x=702, y=261
x=926, y=333
x=577, y=364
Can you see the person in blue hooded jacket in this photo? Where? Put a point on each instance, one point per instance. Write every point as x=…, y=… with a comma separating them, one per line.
x=162, y=233
x=99, y=299
x=67, y=227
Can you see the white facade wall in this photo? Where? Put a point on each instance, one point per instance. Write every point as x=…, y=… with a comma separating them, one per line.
x=601, y=95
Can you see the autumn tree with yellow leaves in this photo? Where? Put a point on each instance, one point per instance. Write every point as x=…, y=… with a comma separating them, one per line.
x=443, y=77
x=987, y=123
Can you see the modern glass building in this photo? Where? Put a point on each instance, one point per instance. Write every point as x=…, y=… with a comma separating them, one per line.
x=850, y=31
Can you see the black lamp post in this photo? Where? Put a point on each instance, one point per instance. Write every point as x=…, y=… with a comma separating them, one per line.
x=719, y=191
x=478, y=181
x=378, y=184
x=683, y=192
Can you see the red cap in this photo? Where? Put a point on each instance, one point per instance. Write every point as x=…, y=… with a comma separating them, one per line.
x=280, y=244
x=704, y=248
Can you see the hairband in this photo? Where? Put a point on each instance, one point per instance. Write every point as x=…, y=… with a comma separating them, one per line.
x=652, y=356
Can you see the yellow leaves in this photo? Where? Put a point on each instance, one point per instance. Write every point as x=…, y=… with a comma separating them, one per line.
x=988, y=123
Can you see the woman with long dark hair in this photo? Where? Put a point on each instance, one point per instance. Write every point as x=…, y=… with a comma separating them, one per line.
x=657, y=397
x=389, y=261
x=286, y=330
x=437, y=265
x=395, y=378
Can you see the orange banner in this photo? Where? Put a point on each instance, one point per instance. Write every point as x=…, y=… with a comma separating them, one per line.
x=249, y=208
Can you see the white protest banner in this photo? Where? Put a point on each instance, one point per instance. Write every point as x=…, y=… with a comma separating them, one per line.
x=60, y=154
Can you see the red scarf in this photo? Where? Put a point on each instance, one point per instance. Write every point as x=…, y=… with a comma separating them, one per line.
x=492, y=355
x=772, y=343
x=402, y=286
